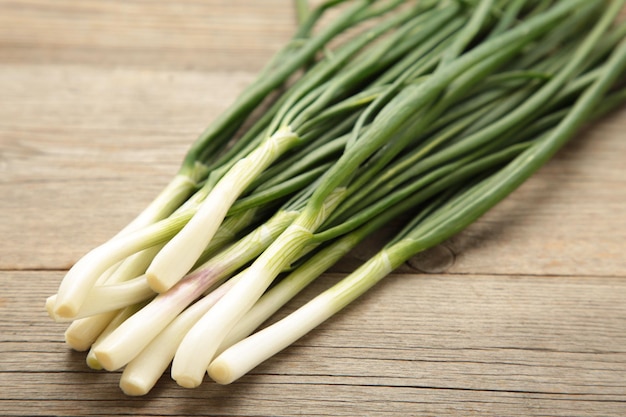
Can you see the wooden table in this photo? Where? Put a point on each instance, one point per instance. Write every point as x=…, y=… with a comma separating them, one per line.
x=523, y=314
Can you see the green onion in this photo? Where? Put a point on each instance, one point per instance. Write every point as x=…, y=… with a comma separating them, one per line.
x=425, y=114
x=201, y=343
x=245, y=355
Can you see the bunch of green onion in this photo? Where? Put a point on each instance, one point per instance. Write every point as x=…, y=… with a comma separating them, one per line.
x=425, y=113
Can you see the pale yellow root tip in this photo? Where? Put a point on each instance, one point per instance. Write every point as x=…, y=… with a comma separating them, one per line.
x=188, y=382
x=106, y=360
x=77, y=343
x=134, y=386
x=93, y=362
x=65, y=311
x=50, y=302
x=220, y=372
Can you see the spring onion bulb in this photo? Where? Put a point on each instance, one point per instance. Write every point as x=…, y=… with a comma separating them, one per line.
x=82, y=333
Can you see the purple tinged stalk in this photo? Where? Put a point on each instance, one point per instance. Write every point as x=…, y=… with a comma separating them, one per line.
x=129, y=339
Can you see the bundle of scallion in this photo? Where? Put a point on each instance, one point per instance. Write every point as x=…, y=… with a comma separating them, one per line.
x=435, y=110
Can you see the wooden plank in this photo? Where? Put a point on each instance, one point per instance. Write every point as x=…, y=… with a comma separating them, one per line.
x=311, y=399
x=187, y=34
x=522, y=314
x=448, y=345
x=76, y=141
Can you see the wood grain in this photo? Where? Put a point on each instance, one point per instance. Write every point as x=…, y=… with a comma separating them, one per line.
x=522, y=314
x=189, y=34
x=415, y=345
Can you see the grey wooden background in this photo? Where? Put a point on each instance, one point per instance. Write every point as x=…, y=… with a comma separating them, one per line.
x=522, y=314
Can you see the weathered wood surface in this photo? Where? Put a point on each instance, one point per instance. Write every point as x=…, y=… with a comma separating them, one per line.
x=523, y=314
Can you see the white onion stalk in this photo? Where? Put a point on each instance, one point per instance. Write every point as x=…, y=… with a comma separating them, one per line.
x=119, y=318
x=136, y=332
x=201, y=343
x=79, y=280
x=104, y=298
x=173, y=195
x=142, y=373
x=94, y=264
x=133, y=266
x=242, y=357
x=288, y=287
x=227, y=232
x=81, y=334
x=180, y=254
x=89, y=270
